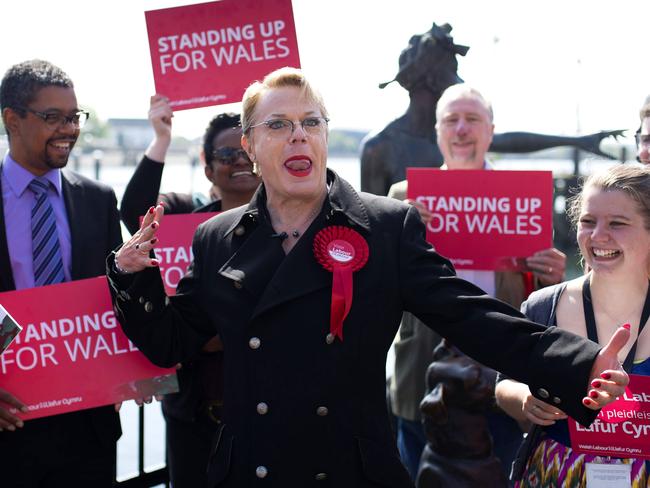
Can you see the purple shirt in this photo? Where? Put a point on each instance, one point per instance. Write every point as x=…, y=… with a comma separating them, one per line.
x=18, y=200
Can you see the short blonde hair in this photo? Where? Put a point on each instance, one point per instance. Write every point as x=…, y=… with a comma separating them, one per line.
x=278, y=79
x=460, y=91
x=631, y=179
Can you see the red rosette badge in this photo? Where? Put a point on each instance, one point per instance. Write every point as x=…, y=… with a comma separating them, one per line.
x=342, y=251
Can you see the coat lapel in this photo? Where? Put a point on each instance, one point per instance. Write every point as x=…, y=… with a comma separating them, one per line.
x=75, y=209
x=297, y=275
x=260, y=264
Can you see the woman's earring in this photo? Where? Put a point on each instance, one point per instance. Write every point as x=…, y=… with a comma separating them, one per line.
x=256, y=167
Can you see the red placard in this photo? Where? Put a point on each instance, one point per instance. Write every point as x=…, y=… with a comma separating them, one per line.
x=72, y=353
x=486, y=220
x=622, y=429
x=174, y=250
x=208, y=54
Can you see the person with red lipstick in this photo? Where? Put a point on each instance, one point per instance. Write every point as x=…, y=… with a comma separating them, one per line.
x=612, y=216
x=306, y=286
x=192, y=416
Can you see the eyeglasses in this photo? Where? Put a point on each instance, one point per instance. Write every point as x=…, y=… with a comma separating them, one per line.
x=229, y=155
x=54, y=120
x=285, y=127
x=642, y=140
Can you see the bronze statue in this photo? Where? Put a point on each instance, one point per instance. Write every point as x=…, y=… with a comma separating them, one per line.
x=459, y=448
x=426, y=68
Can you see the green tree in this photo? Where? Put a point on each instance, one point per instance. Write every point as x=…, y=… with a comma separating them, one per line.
x=95, y=128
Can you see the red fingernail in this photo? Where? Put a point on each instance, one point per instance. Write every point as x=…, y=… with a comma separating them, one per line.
x=154, y=262
x=155, y=239
x=151, y=210
x=605, y=376
x=626, y=326
x=595, y=384
x=162, y=204
x=586, y=401
x=154, y=225
x=593, y=394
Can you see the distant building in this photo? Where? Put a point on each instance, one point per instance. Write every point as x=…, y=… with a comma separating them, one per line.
x=130, y=134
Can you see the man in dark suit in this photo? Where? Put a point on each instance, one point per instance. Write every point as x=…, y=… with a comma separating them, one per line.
x=43, y=120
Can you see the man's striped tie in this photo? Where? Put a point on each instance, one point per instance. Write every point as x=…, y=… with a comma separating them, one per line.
x=48, y=265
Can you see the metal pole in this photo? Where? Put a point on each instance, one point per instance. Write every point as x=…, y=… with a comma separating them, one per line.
x=98, y=154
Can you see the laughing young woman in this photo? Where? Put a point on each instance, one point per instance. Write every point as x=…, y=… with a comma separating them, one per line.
x=612, y=214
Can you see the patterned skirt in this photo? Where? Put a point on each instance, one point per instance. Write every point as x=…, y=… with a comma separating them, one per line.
x=555, y=465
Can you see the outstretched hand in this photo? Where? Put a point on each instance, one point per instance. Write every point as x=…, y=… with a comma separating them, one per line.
x=592, y=142
x=608, y=379
x=134, y=255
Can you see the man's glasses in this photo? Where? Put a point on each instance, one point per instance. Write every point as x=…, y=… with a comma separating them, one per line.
x=642, y=140
x=229, y=155
x=54, y=120
x=285, y=127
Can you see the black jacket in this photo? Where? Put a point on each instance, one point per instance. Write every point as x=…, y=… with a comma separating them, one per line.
x=325, y=421
x=142, y=191
x=92, y=213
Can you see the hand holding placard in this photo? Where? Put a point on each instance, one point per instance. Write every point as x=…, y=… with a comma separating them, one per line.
x=8, y=421
x=424, y=212
x=548, y=266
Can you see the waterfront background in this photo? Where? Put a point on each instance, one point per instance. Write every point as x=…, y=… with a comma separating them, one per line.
x=555, y=67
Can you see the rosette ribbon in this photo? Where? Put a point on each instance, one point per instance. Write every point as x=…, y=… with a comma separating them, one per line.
x=342, y=251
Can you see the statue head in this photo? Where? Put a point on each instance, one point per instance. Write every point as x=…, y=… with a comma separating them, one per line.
x=429, y=61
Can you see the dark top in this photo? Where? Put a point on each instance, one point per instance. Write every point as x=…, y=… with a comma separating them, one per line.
x=141, y=192
x=92, y=212
x=199, y=378
x=545, y=305
x=300, y=408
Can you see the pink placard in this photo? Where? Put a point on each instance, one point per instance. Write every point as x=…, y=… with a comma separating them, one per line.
x=208, y=53
x=174, y=249
x=486, y=220
x=72, y=353
x=622, y=429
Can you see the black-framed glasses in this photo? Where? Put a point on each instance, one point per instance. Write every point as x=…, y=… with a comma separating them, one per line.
x=285, y=127
x=229, y=155
x=56, y=119
x=642, y=139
